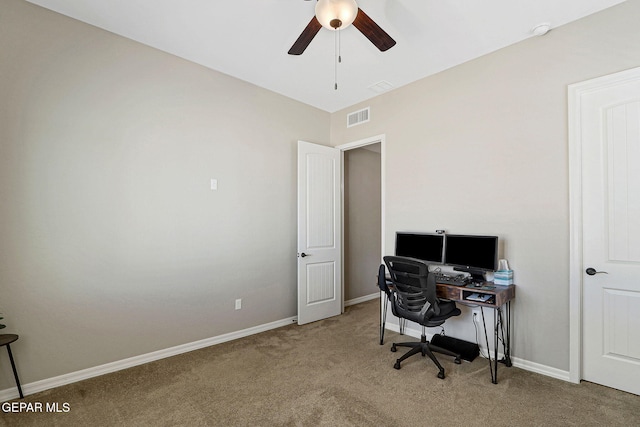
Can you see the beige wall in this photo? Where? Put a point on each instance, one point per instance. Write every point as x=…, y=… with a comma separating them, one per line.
x=362, y=221
x=482, y=148
x=111, y=242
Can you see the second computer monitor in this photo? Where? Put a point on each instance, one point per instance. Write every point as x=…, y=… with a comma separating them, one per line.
x=423, y=246
x=471, y=253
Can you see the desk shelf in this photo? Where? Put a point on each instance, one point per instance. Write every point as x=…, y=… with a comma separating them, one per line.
x=500, y=294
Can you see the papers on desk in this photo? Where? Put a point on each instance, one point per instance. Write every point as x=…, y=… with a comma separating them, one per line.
x=479, y=297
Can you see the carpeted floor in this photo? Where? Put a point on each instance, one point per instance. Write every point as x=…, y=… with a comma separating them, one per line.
x=328, y=373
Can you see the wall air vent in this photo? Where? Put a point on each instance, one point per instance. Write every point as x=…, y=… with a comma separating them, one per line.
x=358, y=117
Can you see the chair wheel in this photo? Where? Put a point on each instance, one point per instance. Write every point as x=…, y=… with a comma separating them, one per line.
x=441, y=374
x=393, y=348
x=397, y=365
x=457, y=361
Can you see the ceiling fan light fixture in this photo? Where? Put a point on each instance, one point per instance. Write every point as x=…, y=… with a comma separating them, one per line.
x=334, y=14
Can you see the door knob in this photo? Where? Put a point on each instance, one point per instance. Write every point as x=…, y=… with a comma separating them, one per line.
x=303, y=255
x=592, y=271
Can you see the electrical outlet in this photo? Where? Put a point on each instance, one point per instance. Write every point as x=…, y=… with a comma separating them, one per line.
x=238, y=304
x=477, y=319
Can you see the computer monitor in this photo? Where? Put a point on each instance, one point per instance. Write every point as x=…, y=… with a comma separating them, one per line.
x=423, y=246
x=471, y=254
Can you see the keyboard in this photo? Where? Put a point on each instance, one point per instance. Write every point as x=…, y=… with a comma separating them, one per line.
x=451, y=279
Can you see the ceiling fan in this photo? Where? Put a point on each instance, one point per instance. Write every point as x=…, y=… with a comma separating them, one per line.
x=339, y=14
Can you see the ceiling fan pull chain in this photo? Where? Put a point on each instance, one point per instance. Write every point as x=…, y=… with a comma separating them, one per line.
x=336, y=39
x=339, y=46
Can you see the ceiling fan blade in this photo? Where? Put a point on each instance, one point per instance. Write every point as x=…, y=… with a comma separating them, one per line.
x=373, y=32
x=305, y=38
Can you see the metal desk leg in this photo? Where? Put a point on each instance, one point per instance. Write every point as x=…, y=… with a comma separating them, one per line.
x=499, y=327
x=383, y=318
x=383, y=315
x=496, y=324
x=15, y=373
x=506, y=339
x=494, y=377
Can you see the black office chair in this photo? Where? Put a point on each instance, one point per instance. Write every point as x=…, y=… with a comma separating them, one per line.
x=413, y=297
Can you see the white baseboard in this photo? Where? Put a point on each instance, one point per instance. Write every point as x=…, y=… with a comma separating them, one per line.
x=541, y=369
x=517, y=362
x=37, y=386
x=362, y=299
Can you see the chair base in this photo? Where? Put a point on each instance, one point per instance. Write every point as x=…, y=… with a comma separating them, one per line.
x=425, y=348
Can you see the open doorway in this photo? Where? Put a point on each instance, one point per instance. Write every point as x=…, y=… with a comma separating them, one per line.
x=362, y=227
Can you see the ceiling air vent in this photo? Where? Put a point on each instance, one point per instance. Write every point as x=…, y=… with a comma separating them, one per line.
x=381, y=86
x=358, y=117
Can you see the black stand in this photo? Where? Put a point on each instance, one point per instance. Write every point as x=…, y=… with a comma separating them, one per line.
x=6, y=339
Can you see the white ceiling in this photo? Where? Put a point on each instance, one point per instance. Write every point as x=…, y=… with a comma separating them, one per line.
x=249, y=39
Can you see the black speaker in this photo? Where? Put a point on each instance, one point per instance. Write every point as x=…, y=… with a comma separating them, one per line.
x=467, y=350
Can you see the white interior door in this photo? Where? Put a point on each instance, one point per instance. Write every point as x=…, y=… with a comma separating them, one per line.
x=319, y=233
x=610, y=142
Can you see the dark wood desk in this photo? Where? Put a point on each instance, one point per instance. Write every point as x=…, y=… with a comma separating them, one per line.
x=499, y=299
